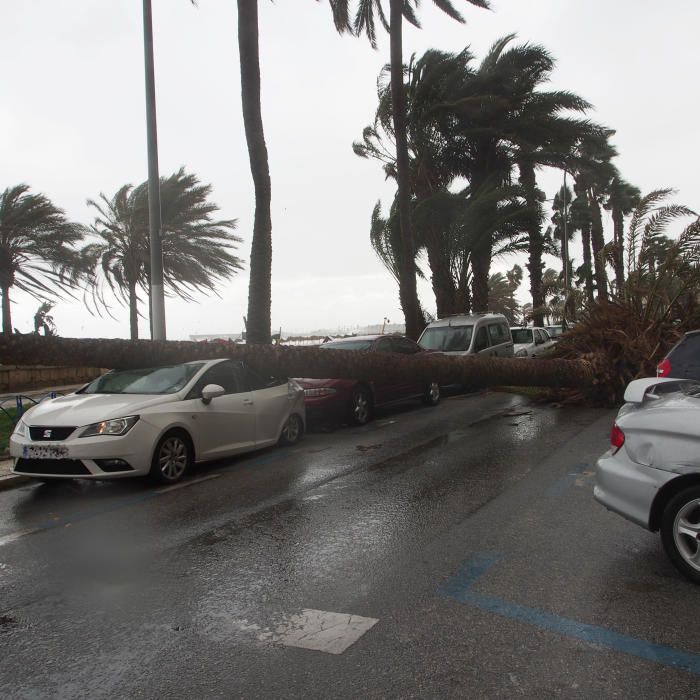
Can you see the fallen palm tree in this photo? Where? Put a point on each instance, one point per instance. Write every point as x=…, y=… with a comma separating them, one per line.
x=270, y=360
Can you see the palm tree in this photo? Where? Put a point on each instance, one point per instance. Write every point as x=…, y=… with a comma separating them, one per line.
x=37, y=252
x=365, y=23
x=502, y=289
x=197, y=249
x=260, y=285
x=593, y=171
x=621, y=199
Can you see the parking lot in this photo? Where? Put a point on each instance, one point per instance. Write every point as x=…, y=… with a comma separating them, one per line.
x=446, y=552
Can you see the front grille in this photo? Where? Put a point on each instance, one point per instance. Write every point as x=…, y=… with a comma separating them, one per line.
x=43, y=433
x=59, y=467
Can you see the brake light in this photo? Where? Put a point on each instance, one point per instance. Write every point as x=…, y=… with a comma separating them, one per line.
x=663, y=369
x=617, y=438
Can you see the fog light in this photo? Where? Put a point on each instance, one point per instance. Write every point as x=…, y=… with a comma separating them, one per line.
x=113, y=465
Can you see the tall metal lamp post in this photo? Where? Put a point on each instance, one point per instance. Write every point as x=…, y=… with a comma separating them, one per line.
x=157, y=306
x=565, y=256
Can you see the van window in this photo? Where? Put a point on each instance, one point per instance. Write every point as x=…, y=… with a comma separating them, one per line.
x=482, y=340
x=447, y=338
x=498, y=334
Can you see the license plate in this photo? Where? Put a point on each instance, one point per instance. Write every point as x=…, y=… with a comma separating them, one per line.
x=45, y=452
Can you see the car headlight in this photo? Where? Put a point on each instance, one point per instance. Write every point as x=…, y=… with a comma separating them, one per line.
x=521, y=353
x=115, y=426
x=320, y=391
x=21, y=428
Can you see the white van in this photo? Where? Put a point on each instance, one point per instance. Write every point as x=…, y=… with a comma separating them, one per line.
x=482, y=334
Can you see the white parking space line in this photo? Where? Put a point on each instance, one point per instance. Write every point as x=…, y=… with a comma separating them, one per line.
x=185, y=484
x=108, y=508
x=319, y=630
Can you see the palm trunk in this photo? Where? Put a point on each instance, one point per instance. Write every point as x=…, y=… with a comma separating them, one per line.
x=441, y=277
x=134, y=311
x=587, y=265
x=408, y=292
x=535, y=239
x=598, y=242
x=6, y=312
x=618, y=236
x=259, y=289
x=481, y=266
x=282, y=361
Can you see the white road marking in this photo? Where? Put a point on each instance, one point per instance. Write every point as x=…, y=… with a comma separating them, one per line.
x=14, y=536
x=318, y=630
x=185, y=484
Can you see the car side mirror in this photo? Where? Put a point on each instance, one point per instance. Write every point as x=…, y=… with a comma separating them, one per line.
x=211, y=391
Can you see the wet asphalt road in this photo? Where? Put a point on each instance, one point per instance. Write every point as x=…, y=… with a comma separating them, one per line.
x=470, y=537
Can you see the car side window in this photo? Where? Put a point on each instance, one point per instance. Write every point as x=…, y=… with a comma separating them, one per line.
x=221, y=374
x=383, y=345
x=497, y=333
x=481, y=342
x=248, y=380
x=405, y=346
x=545, y=335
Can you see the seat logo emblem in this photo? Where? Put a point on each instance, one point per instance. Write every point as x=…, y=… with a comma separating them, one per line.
x=47, y=433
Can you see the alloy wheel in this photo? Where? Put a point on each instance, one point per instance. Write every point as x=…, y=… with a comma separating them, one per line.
x=686, y=533
x=173, y=457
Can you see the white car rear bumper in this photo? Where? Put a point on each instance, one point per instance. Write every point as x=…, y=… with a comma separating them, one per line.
x=628, y=488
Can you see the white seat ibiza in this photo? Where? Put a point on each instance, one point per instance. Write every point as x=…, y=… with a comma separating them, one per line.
x=157, y=422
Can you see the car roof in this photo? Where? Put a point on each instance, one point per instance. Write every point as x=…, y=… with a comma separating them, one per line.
x=376, y=336
x=466, y=318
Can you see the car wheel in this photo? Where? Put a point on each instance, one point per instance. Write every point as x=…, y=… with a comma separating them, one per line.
x=292, y=431
x=680, y=532
x=361, y=406
x=432, y=395
x=172, y=458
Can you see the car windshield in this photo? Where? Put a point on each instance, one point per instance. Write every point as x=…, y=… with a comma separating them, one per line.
x=447, y=338
x=348, y=345
x=521, y=335
x=155, y=380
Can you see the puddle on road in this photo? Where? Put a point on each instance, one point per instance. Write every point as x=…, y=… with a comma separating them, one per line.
x=439, y=441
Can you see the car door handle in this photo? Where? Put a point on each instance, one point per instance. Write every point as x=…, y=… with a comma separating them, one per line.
x=248, y=402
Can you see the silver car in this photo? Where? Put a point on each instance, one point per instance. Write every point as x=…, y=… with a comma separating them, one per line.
x=651, y=473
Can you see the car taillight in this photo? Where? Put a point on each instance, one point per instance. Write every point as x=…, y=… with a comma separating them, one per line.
x=663, y=369
x=617, y=438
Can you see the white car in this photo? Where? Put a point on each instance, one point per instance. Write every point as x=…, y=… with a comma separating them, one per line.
x=651, y=473
x=530, y=342
x=157, y=422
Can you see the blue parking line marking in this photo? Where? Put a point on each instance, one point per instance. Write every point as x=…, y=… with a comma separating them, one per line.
x=568, y=480
x=459, y=588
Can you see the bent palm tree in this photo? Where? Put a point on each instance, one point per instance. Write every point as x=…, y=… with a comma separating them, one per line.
x=36, y=248
x=197, y=250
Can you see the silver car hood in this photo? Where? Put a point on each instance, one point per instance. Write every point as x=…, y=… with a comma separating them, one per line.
x=83, y=409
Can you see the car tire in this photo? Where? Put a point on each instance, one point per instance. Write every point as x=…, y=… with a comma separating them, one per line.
x=172, y=458
x=361, y=405
x=680, y=532
x=432, y=395
x=292, y=431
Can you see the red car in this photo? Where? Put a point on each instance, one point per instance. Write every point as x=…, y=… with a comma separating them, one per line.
x=353, y=401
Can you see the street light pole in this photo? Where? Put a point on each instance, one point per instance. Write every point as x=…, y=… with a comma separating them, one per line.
x=565, y=252
x=157, y=297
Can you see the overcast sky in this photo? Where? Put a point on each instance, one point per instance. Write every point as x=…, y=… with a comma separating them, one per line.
x=72, y=125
